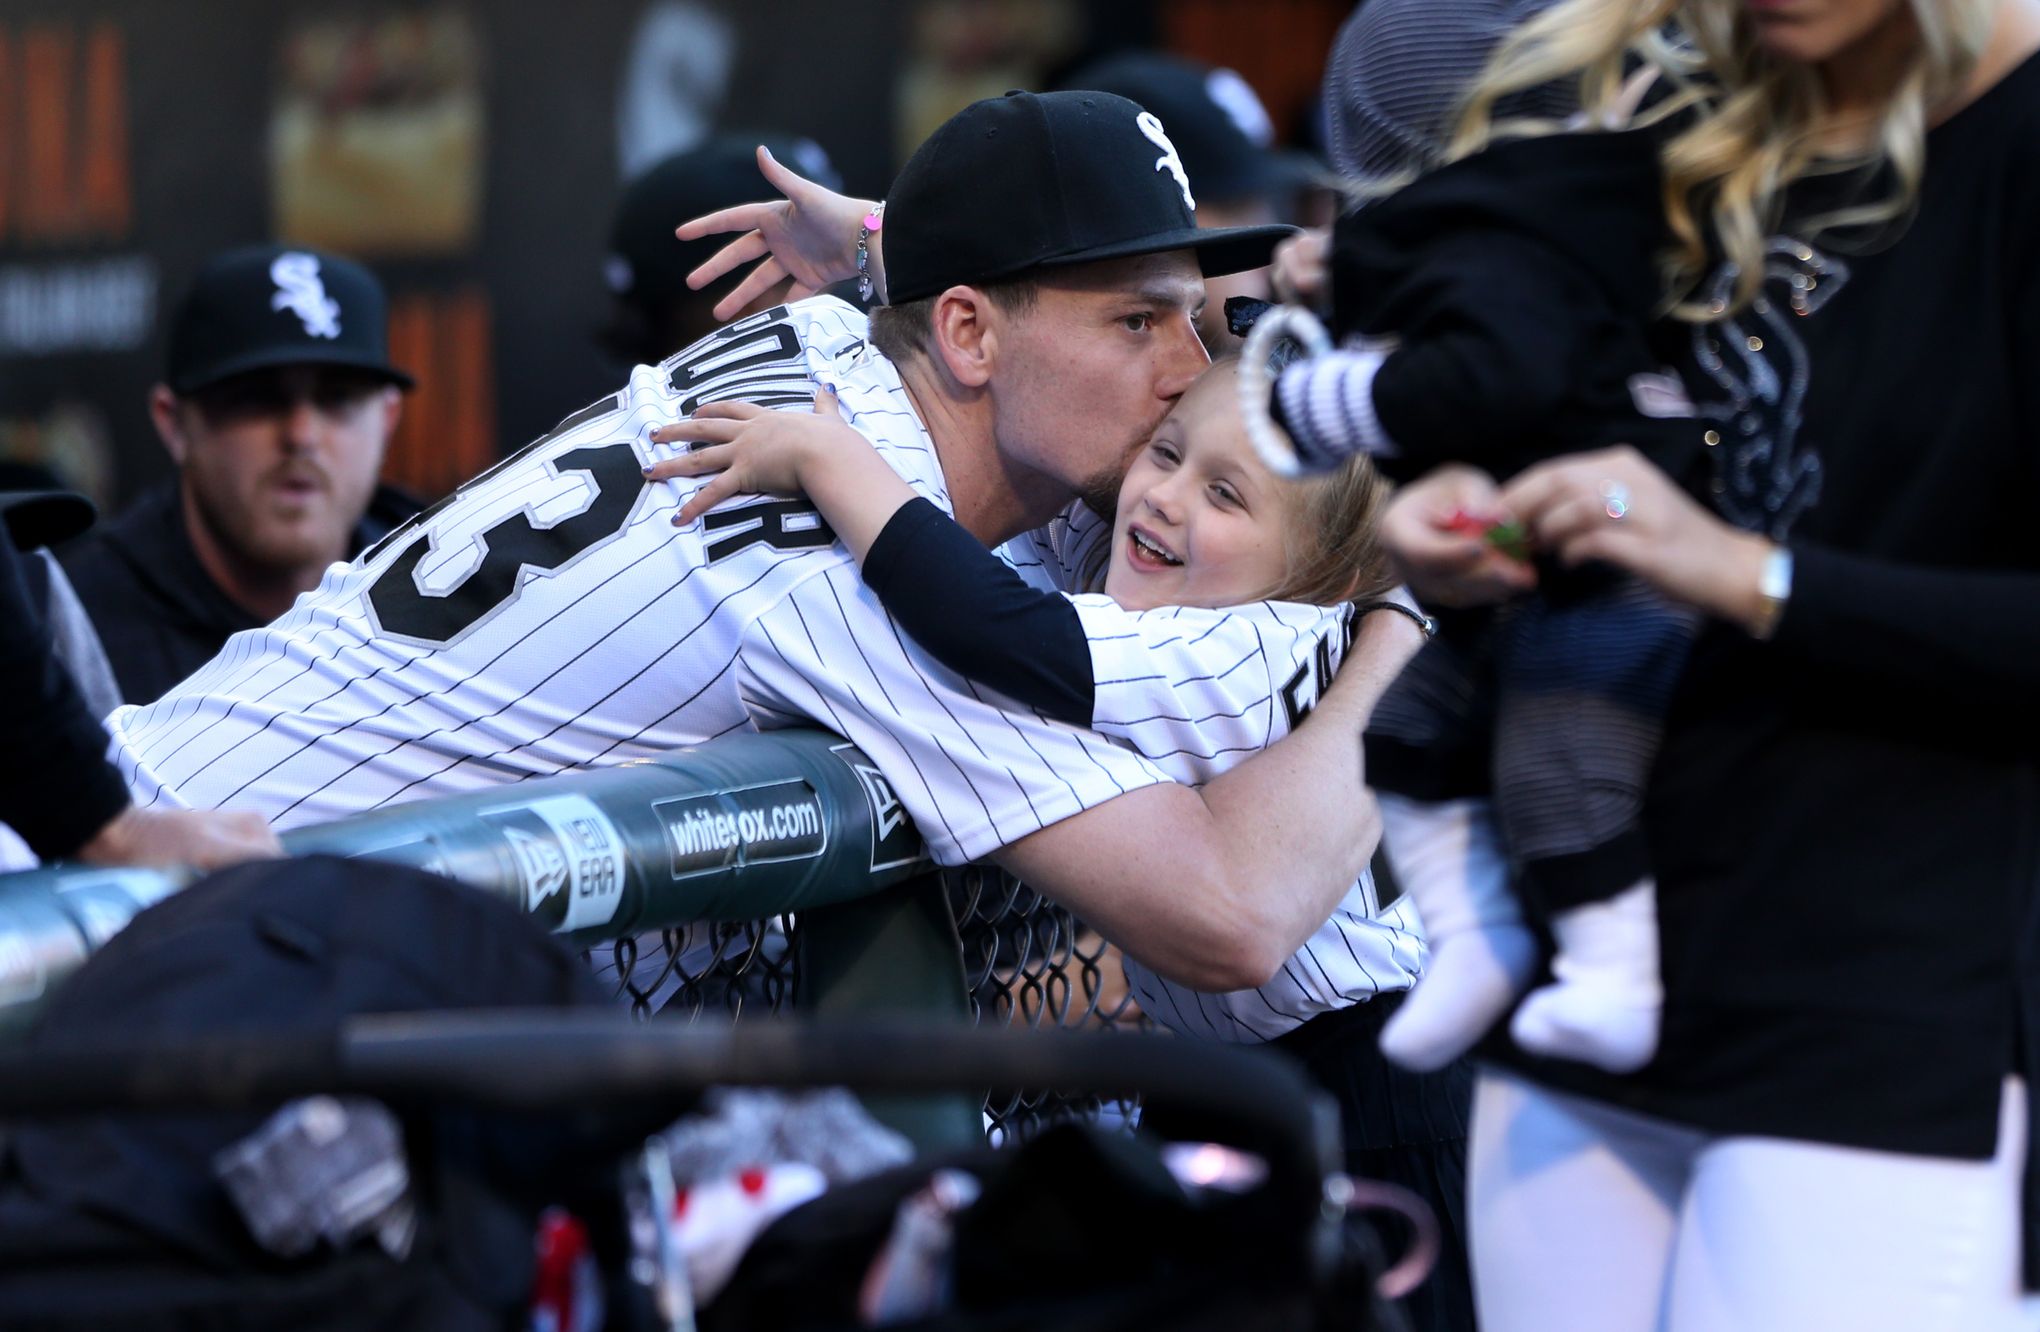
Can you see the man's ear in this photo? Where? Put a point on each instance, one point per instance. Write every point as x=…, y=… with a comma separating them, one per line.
x=962, y=335
x=165, y=411
x=392, y=410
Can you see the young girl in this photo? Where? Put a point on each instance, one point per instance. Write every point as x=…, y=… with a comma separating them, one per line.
x=1205, y=544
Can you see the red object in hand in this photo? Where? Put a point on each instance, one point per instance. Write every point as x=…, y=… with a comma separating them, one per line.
x=1506, y=536
x=1466, y=524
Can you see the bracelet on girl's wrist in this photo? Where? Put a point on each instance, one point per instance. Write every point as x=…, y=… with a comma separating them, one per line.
x=1425, y=624
x=873, y=221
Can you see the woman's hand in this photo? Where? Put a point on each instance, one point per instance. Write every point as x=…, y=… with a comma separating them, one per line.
x=1433, y=531
x=1615, y=505
x=750, y=450
x=810, y=235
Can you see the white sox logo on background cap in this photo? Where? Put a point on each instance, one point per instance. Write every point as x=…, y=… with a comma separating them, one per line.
x=259, y=307
x=300, y=291
x=1151, y=126
x=1235, y=96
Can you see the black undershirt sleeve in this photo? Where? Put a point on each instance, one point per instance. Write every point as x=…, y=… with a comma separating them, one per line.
x=1932, y=634
x=56, y=787
x=978, y=617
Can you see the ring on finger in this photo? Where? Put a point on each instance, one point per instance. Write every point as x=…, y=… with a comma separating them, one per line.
x=1615, y=500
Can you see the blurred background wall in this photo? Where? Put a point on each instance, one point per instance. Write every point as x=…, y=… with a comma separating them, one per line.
x=471, y=151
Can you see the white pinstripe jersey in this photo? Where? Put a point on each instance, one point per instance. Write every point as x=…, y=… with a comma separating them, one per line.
x=1197, y=691
x=548, y=616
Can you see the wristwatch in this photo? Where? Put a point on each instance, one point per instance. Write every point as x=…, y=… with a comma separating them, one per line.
x=1774, y=589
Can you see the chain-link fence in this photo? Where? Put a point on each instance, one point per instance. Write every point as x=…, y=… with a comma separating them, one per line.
x=721, y=972
x=1030, y=963
x=1027, y=962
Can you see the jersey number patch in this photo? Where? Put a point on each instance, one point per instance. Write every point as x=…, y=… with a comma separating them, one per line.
x=756, y=360
x=509, y=547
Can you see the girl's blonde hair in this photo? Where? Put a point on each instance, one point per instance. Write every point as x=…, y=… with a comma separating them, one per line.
x=1335, y=550
x=1758, y=122
x=1332, y=531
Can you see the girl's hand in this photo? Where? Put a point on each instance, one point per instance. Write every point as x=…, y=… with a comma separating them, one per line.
x=751, y=450
x=1615, y=505
x=1434, y=531
x=810, y=235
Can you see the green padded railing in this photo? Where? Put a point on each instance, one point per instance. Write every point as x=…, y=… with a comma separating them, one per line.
x=739, y=828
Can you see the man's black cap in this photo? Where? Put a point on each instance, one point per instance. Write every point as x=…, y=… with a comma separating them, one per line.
x=648, y=265
x=1214, y=118
x=273, y=305
x=1029, y=181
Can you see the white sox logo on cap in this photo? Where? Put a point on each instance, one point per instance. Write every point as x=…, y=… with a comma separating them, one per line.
x=1168, y=161
x=299, y=290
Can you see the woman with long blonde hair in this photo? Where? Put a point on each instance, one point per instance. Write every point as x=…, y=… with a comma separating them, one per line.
x=1845, y=817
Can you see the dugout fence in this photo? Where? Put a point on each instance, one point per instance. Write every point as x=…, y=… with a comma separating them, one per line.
x=748, y=876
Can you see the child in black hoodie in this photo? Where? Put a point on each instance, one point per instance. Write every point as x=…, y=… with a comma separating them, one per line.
x=1496, y=311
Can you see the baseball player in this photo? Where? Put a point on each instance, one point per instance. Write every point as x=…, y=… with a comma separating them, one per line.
x=548, y=616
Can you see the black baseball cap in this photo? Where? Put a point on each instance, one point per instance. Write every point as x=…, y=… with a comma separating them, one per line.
x=274, y=305
x=1214, y=117
x=648, y=264
x=1042, y=180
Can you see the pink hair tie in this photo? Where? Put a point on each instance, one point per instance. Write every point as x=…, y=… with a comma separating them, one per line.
x=873, y=220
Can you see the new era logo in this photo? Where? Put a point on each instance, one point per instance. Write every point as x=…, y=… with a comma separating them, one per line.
x=895, y=841
x=569, y=859
x=886, y=808
x=540, y=863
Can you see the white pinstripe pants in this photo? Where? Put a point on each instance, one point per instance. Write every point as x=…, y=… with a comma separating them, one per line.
x=1585, y=1218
